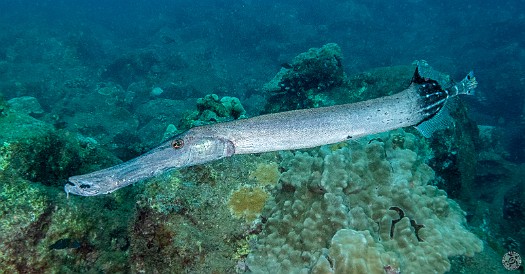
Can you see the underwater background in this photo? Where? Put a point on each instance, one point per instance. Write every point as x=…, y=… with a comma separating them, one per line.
x=85, y=85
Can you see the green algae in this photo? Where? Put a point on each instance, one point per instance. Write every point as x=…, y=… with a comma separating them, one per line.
x=5, y=155
x=35, y=161
x=21, y=204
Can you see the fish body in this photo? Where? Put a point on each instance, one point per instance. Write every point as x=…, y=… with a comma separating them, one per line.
x=419, y=105
x=313, y=127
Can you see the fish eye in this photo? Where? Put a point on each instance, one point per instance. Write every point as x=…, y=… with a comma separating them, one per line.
x=177, y=143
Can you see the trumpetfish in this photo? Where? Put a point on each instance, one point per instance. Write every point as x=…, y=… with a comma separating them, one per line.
x=422, y=104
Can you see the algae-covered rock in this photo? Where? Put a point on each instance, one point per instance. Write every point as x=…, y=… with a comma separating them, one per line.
x=213, y=109
x=40, y=230
x=25, y=104
x=37, y=152
x=156, y=115
x=183, y=221
x=316, y=78
x=301, y=83
x=375, y=83
x=43, y=232
x=3, y=106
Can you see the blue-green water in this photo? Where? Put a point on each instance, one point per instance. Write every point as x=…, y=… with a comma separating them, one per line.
x=85, y=85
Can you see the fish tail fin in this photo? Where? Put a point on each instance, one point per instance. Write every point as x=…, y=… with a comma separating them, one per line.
x=466, y=86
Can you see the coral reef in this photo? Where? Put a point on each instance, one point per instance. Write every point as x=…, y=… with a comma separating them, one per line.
x=156, y=115
x=301, y=83
x=25, y=104
x=37, y=152
x=356, y=252
x=54, y=234
x=316, y=78
x=374, y=191
x=212, y=109
x=132, y=67
x=183, y=221
x=374, y=83
x=247, y=202
x=228, y=50
x=266, y=173
x=3, y=106
x=104, y=116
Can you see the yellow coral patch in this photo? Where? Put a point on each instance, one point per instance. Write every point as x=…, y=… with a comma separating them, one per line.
x=266, y=173
x=247, y=202
x=243, y=248
x=337, y=146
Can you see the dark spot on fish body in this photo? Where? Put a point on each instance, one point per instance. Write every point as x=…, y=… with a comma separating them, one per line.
x=348, y=137
x=177, y=143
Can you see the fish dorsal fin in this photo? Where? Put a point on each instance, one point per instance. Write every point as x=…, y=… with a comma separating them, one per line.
x=416, y=78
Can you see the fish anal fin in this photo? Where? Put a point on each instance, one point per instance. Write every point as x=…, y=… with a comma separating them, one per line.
x=440, y=120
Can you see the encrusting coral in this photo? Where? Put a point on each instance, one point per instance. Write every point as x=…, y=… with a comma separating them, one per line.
x=247, y=202
x=266, y=174
x=366, y=207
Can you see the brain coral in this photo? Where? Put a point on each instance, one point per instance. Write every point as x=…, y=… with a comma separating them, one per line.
x=365, y=208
